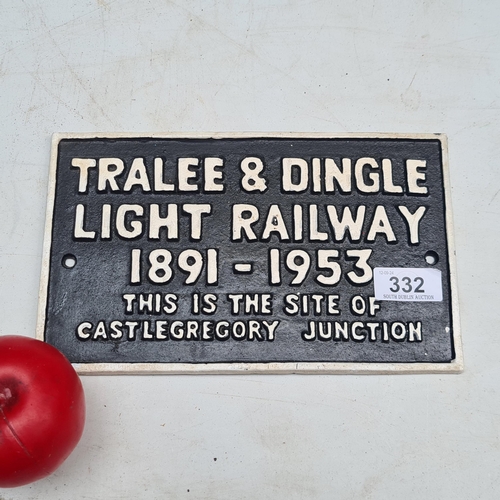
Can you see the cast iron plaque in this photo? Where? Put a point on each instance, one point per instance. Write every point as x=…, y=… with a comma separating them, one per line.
x=218, y=253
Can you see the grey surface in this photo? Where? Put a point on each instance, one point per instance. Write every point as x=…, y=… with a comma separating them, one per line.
x=281, y=66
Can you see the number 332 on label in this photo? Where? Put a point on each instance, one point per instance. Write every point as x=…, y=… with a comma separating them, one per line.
x=408, y=284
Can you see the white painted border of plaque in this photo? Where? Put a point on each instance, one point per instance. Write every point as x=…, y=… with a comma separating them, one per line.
x=456, y=366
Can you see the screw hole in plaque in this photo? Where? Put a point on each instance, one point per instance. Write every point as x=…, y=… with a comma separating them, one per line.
x=432, y=258
x=69, y=261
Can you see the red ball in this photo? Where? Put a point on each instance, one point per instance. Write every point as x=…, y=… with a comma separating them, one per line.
x=42, y=410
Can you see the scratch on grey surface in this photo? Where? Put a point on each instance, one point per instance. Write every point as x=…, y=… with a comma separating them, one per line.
x=48, y=33
x=356, y=52
x=292, y=402
x=412, y=80
x=410, y=97
x=468, y=39
x=494, y=196
x=31, y=40
x=259, y=399
x=3, y=254
x=78, y=79
x=165, y=54
x=252, y=53
x=49, y=91
x=105, y=5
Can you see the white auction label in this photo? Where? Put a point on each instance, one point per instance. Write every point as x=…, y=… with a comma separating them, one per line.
x=408, y=284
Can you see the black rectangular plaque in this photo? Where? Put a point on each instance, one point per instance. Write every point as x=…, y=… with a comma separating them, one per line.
x=219, y=253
